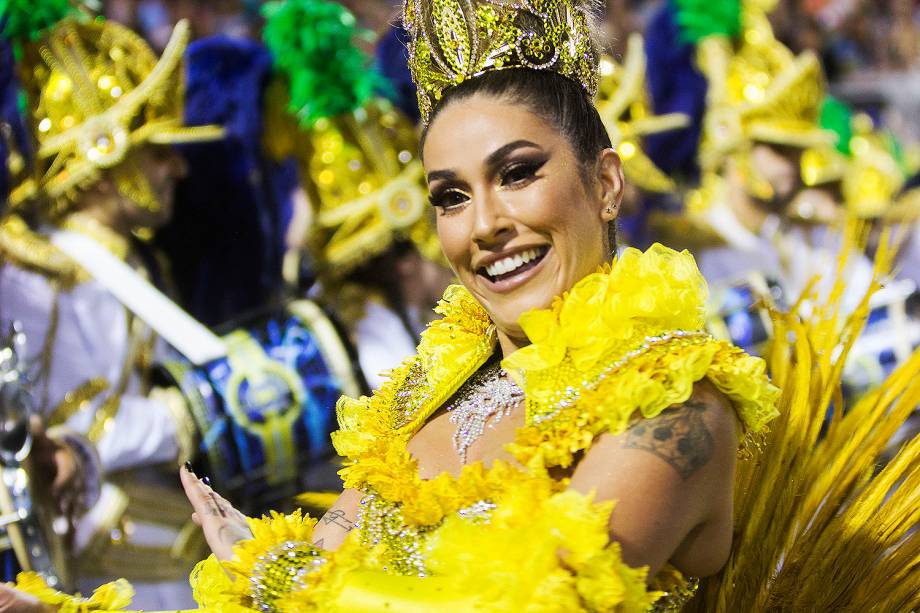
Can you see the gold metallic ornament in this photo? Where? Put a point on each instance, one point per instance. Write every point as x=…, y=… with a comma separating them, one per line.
x=760, y=93
x=452, y=41
x=624, y=107
x=365, y=184
x=96, y=91
x=870, y=178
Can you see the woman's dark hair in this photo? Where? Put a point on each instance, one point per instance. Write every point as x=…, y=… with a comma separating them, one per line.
x=556, y=99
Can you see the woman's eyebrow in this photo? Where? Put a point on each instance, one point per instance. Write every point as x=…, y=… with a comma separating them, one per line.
x=502, y=152
x=446, y=175
x=492, y=160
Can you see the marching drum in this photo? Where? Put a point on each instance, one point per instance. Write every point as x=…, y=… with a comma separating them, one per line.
x=738, y=311
x=264, y=412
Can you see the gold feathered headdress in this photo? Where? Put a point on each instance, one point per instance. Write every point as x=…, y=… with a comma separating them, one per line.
x=365, y=184
x=760, y=93
x=96, y=91
x=455, y=40
x=869, y=165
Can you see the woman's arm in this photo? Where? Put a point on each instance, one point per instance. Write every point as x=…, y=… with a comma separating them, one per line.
x=671, y=477
x=339, y=520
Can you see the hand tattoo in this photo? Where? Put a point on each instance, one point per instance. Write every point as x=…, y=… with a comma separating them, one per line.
x=678, y=436
x=337, y=517
x=216, y=508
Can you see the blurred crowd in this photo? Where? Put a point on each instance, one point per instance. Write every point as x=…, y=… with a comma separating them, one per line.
x=862, y=43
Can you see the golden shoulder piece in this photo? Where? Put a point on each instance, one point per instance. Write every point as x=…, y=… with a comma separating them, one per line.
x=761, y=93
x=623, y=105
x=95, y=91
x=455, y=40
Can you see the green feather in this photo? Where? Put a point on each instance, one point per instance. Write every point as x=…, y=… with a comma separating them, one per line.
x=699, y=19
x=313, y=44
x=26, y=20
x=837, y=117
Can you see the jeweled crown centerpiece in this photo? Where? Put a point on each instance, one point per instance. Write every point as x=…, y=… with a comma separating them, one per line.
x=456, y=40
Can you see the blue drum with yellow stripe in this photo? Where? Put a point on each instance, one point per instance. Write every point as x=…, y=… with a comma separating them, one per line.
x=265, y=411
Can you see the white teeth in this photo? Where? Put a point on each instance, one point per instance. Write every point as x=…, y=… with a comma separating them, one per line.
x=511, y=263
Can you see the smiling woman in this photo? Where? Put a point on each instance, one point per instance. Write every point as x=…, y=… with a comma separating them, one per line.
x=509, y=183
x=566, y=437
x=482, y=476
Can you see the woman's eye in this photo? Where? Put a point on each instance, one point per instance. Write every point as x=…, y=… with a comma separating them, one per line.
x=449, y=199
x=520, y=173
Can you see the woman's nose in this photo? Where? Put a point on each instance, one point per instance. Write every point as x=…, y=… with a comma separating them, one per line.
x=491, y=223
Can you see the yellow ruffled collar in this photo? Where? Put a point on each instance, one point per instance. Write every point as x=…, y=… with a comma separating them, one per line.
x=624, y=343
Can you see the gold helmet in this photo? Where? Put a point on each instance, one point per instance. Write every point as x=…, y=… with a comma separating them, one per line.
x=96, y=91
x=760, y=93
x=623, y=105
x=869, y=165
x=356, y=151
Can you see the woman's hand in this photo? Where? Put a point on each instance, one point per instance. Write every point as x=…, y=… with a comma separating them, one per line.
x=56, y=470
x=223, y=525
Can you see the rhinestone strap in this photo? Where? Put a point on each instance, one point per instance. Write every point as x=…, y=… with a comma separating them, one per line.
x=281, y=571
x=571, y=393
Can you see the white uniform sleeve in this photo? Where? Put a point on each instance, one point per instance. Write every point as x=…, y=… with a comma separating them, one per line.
x=382, y=343
x=91, y=341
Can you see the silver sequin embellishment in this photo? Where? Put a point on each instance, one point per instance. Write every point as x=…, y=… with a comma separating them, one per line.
x=488, y=394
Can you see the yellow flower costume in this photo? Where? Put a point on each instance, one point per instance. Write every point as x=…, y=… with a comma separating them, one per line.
x=623, y=345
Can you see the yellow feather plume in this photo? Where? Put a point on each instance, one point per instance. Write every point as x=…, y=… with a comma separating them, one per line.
x=820, y=524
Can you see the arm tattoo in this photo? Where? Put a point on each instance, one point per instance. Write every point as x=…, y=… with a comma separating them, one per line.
x=337, y=518
x=678, y=436
x=319, y=544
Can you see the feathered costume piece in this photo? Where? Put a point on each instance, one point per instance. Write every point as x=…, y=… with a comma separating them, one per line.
x=869, y=164
x=313, y=43
x=820, y=524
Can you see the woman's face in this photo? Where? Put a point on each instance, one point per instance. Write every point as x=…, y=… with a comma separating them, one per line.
x=519, y=219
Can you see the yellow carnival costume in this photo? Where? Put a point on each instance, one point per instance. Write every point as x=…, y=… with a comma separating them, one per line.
x=623, y=345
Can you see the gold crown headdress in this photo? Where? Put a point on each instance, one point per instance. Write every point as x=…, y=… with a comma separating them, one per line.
x=623, y=106
x=455, y=40
x=96, y=91
x=356, y=152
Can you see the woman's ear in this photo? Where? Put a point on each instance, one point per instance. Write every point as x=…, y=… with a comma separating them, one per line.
x=610, y=183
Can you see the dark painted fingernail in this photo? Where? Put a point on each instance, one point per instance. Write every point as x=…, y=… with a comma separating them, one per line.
x=188, y=467
x=206, y=481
